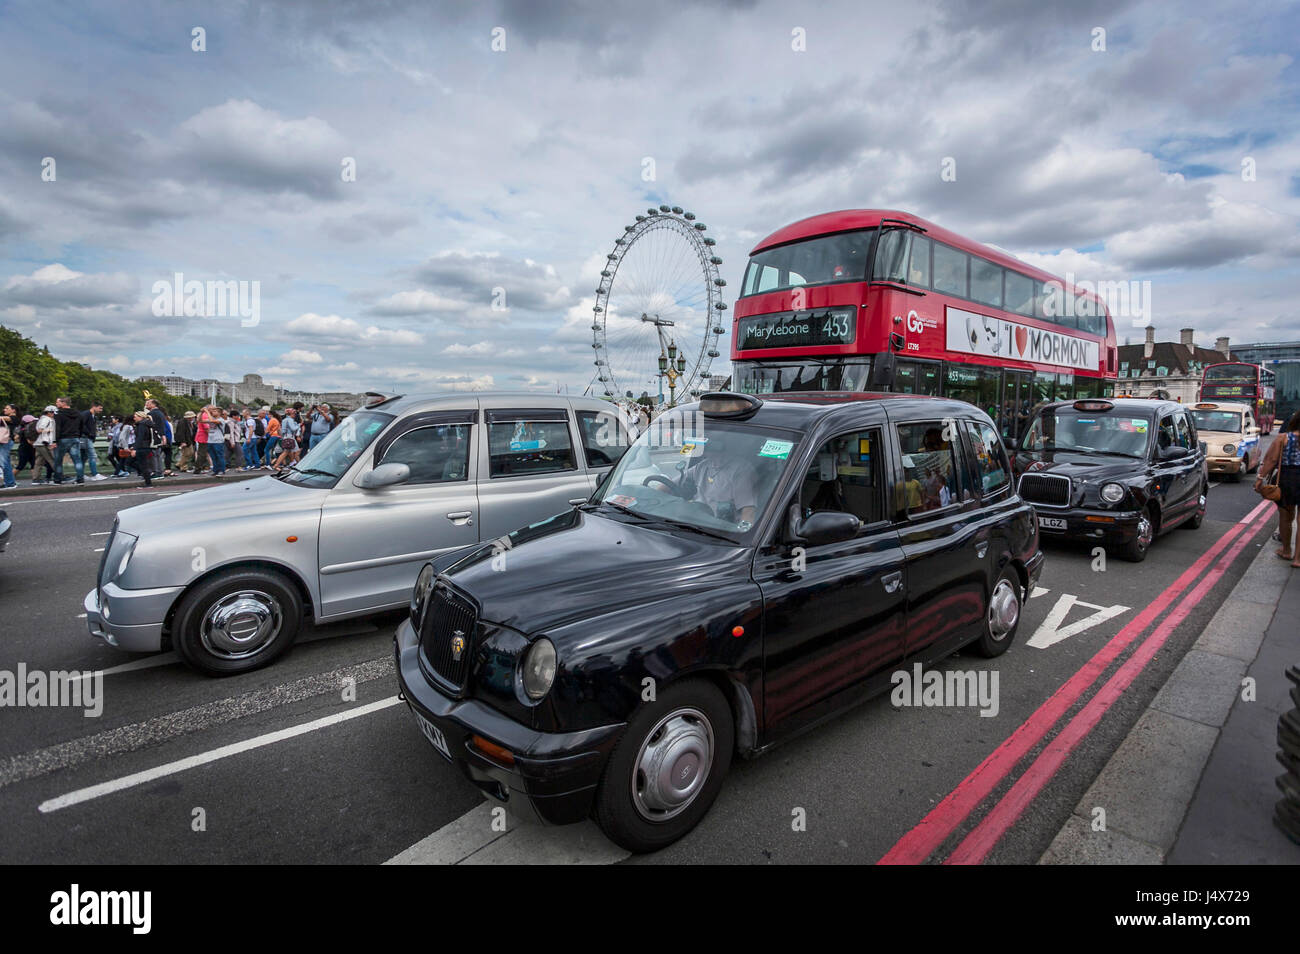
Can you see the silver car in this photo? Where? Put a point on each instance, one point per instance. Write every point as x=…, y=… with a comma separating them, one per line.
x=227, y=575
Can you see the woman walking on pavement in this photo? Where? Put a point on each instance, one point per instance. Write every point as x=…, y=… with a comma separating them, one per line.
x=1284, y=455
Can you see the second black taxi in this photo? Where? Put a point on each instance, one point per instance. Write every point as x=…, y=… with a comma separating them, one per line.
x=749, y=568
x=1116, y=471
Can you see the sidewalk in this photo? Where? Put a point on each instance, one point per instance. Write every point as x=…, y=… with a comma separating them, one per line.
x=1193, y=782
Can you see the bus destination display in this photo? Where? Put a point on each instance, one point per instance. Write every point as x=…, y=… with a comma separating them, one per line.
x=796, y=329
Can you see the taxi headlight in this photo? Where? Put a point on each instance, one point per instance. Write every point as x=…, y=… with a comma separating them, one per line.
x=1112, y=493
x=1229, y=448
x=539, y=668
x=420, y=595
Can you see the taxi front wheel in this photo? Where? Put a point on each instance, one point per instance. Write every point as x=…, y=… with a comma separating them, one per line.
x=665, y=772
x=237, y=621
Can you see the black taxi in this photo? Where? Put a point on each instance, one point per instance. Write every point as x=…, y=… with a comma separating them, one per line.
x=750, y=567
x=1114, y=471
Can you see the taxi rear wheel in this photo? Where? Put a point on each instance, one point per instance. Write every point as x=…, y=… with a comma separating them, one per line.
x=237, y=621
x=1198, y=518
x=1002, y=616
x=665, y=772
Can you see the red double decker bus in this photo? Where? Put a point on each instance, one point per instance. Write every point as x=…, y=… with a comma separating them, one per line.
x=1245, y=384
x=871, y=299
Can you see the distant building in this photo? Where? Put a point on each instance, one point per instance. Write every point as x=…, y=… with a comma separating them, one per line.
x=1173, y=368
x=1283, y=359
x=252, y=390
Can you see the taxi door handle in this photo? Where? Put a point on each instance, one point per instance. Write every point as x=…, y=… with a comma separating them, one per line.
x=981, y=548
x=456, y=516
x=892, y=581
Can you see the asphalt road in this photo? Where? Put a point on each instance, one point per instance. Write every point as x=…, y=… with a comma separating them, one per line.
x=283, y=768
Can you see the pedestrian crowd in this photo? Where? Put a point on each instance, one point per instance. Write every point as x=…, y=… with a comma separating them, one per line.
x=211, y=441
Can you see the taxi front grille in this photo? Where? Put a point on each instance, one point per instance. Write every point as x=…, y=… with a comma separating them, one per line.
x=447, y=637
x=1050, y=490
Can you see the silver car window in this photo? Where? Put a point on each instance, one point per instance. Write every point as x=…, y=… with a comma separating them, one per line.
x=435, y=454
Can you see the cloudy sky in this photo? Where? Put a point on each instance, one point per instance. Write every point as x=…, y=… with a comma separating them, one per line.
x=479, y=169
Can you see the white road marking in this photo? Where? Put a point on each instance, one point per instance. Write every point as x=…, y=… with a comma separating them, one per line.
x=149, y=662
x=81, y=616
x=1052, y=632
x=100, y=550
x=471, y=840
x=204, y=758
x=1039, y=591
x=101, y=533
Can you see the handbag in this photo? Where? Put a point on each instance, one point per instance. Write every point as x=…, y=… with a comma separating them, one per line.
x=1268, y=488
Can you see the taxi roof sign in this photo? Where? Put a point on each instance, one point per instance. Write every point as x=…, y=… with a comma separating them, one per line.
x=1092, y=405
x=728, y=404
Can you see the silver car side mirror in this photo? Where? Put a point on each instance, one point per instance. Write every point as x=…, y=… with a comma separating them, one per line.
x=385, y=475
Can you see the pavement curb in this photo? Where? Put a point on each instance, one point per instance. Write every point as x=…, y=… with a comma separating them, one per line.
x=109, y=485
x=1149, y=783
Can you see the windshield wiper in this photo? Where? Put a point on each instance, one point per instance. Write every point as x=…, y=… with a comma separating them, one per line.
x=312, y=470
x=620, y=508
x=683, y=525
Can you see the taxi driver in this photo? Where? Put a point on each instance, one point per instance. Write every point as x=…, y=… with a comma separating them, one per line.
x=720, y=479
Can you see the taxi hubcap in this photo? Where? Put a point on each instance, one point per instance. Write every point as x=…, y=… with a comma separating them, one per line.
x=672, y=765
x=241, y=624
x=1004, y=610
x=1144, y=532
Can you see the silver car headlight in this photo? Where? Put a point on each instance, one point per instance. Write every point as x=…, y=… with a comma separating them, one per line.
x=539, y=668
x=1112, y=493
x=117, y=557
x=1230, y=448
x=420, y=595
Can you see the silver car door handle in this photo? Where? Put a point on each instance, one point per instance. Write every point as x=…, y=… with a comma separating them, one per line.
x=466, y=515
x=892, y=581
x=981, y=548
x=577, y=500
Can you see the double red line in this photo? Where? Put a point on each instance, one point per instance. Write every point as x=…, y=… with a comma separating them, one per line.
x=922, y=841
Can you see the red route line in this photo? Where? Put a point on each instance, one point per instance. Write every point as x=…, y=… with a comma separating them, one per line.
x=977, y=845
x=918, y=844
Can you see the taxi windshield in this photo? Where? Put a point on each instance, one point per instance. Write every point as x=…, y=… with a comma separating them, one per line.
x=698, y=473
x=1223, y=421
x=329, y=460
x=1069, y=429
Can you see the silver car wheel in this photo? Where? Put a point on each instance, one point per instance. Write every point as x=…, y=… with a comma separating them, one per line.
x=672, y=764
x=1004, y=610
x=241, y=624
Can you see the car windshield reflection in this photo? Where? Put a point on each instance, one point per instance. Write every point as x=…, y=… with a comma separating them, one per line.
x=1067, y=429
x=716, y=477
x=329, y=460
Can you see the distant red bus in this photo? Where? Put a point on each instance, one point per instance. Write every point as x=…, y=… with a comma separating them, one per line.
x=820, y=299
x=1245, y=384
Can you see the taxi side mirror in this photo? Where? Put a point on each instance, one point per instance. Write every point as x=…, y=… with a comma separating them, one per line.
x=1173, y=453
x=385, y=475
x=827, y=526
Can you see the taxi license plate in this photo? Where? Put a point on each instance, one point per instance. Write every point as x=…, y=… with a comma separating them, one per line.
x=434, y=735
x=1053, y=523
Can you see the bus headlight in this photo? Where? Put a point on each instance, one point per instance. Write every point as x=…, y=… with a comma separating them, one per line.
x=539, y=668
x=1112, y=493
